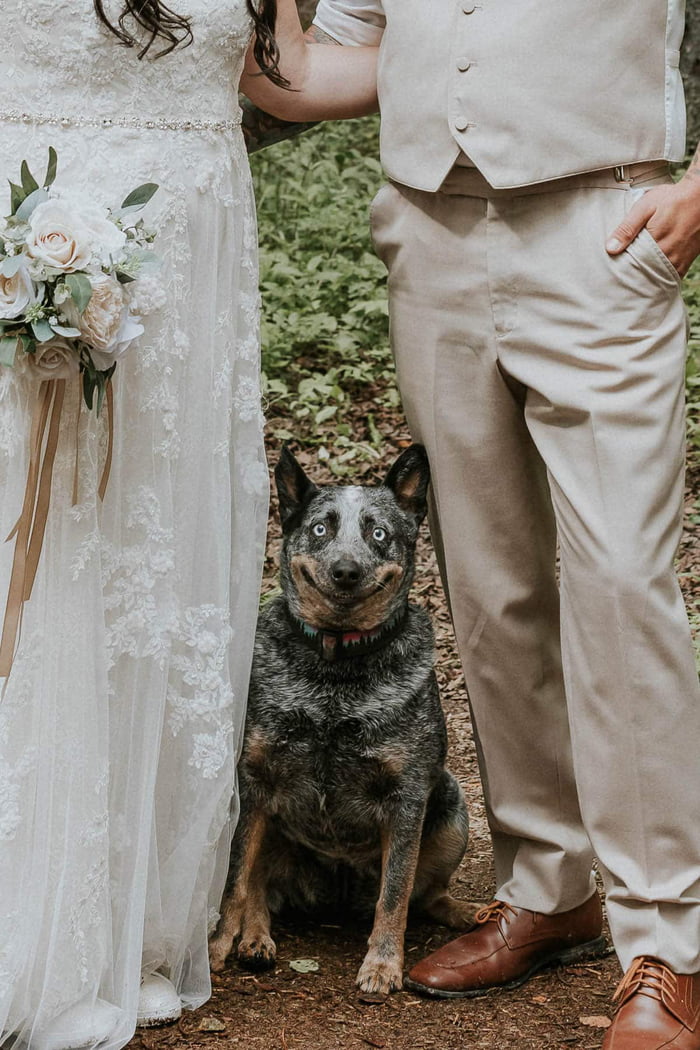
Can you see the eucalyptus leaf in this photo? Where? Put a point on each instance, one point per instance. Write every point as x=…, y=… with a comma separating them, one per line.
x=52, y=167
x=121, y=213
x=17, y=195
x=8, y=350
x=11, y=264
x=89, y=385
x=29, y=203
x=140, y=263
x=80, y=290
x=102, y=379
x=29, y=183
x=140, y=196
x=69, y=333
x=42, y=330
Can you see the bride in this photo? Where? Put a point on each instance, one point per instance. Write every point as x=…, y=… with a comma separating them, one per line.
x=121, y=717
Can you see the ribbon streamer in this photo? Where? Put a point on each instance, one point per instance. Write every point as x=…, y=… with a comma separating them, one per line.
x=28, y=532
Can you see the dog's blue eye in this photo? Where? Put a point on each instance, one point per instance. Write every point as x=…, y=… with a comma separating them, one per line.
x=379, y=535
x=319, y=529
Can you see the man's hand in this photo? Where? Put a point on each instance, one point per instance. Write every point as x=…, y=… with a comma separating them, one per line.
x=672, y=216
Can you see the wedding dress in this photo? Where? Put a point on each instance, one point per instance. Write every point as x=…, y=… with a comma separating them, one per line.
x=121, y=718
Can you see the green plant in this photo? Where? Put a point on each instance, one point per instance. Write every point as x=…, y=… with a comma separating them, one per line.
x=324, y=323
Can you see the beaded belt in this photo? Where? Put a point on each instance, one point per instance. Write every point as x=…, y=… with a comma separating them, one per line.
x=14, y=116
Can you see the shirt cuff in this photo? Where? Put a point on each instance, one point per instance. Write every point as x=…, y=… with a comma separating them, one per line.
x=358, y=22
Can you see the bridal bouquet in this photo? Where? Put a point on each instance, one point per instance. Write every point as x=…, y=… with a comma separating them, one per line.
x=66, y=266
x=65, y=271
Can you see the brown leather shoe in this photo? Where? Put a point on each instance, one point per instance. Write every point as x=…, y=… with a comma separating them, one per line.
x=657, y=1008
x=505, y=947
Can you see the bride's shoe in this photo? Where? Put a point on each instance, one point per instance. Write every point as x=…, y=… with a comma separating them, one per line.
x=85, y=1024
x=159, y=1003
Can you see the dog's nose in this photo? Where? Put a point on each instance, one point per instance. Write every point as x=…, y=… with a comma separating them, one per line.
x=345, y=572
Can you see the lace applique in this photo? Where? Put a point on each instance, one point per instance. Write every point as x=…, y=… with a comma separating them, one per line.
x=12, y=777
x=135, y=650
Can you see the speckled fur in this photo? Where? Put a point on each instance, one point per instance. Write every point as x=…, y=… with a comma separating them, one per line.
x=346, y=802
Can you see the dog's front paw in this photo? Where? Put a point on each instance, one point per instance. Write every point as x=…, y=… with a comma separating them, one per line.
x=219, y=950
x=379, y=976
x=257, y=953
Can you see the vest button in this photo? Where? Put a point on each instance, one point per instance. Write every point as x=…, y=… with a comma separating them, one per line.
x=469, y=9
x=461, y=123
x=463, y=64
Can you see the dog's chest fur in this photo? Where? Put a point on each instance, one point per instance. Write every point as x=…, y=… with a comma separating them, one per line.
x=330, y=749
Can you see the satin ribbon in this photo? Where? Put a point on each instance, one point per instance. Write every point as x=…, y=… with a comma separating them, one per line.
x=30, y=528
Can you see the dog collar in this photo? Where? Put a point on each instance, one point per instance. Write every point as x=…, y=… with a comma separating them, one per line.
x=344, y=645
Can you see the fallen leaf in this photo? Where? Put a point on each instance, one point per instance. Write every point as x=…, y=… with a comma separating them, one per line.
x=211, y=1024
x=304, y=965
x=374, y=1041
x=540, y=999
x=373, y=998
x=596, y=1022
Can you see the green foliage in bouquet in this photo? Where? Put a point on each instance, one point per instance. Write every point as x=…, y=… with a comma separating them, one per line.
x=57, y=259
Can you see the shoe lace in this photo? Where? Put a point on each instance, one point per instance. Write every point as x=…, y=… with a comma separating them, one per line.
x=648, y=974
x=493, y=912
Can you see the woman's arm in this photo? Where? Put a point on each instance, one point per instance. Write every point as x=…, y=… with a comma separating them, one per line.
x=327, y=83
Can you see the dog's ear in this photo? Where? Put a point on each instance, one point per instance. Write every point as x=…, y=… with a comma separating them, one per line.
x=408, y=480
x=294, y=489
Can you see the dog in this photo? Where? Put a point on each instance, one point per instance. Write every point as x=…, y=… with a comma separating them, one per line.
x=345, y=798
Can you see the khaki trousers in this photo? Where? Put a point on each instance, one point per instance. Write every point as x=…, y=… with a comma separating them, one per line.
x=546, y=380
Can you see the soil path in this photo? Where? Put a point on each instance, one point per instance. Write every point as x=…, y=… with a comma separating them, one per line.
x=287, y=1010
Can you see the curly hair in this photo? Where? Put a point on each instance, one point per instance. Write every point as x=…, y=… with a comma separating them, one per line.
x=159, y=23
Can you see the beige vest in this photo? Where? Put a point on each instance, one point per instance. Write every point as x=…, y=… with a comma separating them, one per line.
x=530, y=90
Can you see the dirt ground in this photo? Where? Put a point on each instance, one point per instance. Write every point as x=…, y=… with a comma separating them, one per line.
x=321, y=1010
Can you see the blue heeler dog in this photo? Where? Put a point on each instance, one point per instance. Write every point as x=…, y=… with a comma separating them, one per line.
x=345, y=799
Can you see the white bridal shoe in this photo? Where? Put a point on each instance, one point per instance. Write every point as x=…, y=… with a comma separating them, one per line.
x=159, y=1003
x=85, y=1024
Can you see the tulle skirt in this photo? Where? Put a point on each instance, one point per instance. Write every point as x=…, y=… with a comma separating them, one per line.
x=121, y=719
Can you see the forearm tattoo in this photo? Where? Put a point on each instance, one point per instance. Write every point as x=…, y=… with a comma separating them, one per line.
x=317, y=36
x=259, y=128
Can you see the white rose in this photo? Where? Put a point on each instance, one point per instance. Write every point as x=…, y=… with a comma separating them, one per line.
x=16, y=293
x=58, y=237
x=101, y=320
x=55, y=359
x=107, y=239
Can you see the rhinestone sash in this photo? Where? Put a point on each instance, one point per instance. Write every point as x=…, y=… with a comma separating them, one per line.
x=14, y=116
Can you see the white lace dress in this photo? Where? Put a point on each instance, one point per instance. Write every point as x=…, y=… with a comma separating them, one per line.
x=121, y=718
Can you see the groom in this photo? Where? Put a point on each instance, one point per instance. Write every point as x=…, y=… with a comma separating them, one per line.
x=535, y=244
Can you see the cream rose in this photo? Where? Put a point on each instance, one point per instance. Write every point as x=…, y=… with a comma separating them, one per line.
x=54, y=359
x=101, y=320
x=107, y=324
x=129, y=329
x=58, y=237
x=16, y=293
